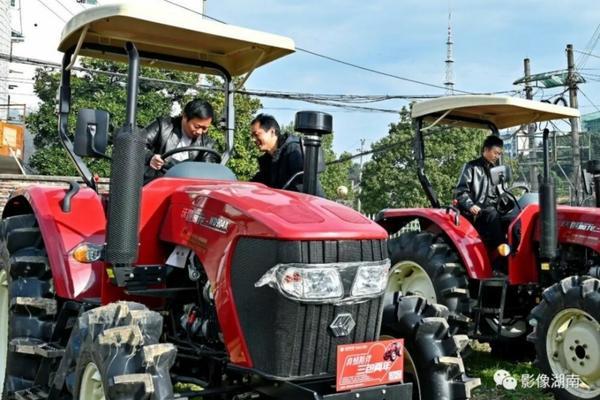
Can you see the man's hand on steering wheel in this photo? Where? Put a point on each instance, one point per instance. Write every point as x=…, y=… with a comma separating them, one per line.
x=157, y=162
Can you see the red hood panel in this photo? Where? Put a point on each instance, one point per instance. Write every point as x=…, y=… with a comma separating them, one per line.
x=285, y=214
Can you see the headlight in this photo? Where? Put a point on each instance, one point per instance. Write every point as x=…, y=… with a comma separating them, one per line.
x=339, y=283
x=305, y=283
x=370, y=280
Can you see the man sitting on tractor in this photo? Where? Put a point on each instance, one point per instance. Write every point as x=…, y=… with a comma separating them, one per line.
x=477, y=196
x=189, y=129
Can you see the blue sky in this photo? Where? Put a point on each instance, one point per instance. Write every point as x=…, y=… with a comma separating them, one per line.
x=405, y=38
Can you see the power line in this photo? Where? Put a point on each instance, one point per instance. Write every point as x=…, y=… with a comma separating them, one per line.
x=64, y=7
x=588, y=99
x=586, y=53
x=52, y=11
x=194, y=11
x=349, y=64
x=589, y=47
x=322, y=99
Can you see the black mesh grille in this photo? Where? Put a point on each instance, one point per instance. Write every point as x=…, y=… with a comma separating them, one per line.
x=286, y=338
x=127, y=174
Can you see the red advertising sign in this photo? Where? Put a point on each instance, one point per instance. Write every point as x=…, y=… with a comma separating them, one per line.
x=369, y=364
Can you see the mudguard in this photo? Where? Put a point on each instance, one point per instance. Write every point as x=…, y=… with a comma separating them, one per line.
x=461, y=235
x=62, y=231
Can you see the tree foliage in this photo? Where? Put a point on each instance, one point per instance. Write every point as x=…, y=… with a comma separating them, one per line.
x=107, y=91
x=390, y=177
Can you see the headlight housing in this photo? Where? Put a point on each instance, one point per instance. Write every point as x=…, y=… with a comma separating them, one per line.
x=370, y=280
x=328, y=283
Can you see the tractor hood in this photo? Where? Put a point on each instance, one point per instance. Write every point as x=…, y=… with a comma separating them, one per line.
x=257, y=210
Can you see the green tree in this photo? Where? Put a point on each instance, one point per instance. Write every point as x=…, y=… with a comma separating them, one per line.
x=390, y=177
x=334, y=175
x=107, y=91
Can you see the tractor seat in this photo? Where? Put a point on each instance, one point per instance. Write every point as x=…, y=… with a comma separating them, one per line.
x=200, y=170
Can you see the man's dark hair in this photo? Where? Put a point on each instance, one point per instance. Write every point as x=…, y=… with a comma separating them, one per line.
x=492, y=141
x=198, y=109
x=266, y=122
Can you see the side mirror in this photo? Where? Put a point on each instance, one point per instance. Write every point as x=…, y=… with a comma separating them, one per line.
x=500, y=175
x=91, y=133
x=592, y=169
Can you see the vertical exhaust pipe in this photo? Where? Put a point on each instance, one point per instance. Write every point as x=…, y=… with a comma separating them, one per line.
x=313, y=124
x=549, y=237
x=126, y=180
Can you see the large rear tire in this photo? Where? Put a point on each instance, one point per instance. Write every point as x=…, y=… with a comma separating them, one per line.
x=120, y=357
x=423, y=264
x=27, y=303
x=567, y=336
x=432, y=355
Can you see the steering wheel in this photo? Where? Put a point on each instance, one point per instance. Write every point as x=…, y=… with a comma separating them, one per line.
x=201, y=150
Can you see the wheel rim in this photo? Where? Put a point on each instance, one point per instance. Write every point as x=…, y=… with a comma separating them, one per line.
x=511, y=331
x=410, y=278
x=3, y=327
x=573, y=347
x=91, y=384
x=410, y=370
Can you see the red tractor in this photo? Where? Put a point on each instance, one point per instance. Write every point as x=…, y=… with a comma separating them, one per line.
x=195, y=281
x=552, y=255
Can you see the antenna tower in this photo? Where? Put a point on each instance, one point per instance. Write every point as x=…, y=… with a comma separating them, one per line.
x=449, y=83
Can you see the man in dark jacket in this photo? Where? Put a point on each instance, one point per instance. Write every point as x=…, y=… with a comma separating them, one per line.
x=283, y=157
x=189, y=129
x=477, y=196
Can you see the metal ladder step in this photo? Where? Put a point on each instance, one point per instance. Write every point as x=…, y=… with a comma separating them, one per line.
x=482, y=309
x=34, y=393
x=27, y=346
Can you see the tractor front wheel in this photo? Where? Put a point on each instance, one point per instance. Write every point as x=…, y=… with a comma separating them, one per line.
x=425, y=265
x=567, y=337
x=432, y=361
x=28, y=305
x=120, y=357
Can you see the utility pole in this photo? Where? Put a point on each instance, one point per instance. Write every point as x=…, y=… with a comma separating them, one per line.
x=360, y=171
x=576, y=155
x=530, y=130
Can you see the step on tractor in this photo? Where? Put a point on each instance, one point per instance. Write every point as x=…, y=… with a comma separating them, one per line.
x=197, y=285
x=550, y=292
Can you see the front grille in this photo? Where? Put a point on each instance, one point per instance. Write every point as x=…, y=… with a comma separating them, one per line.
x=287, y=338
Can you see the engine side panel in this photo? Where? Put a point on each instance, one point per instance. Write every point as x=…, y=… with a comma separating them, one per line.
x=579, y=225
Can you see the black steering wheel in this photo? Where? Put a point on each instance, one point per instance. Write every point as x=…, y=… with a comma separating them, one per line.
x=200, y=149
x=507, y=201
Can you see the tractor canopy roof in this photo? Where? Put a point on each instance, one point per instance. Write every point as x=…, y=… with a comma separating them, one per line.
x=170, y=37
x=481, y=110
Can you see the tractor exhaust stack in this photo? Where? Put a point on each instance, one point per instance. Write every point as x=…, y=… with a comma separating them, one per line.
x=548, y=239
x=313, y=124
x=126, y=179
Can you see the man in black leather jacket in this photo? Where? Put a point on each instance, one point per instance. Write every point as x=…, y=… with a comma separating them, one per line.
x=283, y=157
x=189, y=129
x=477, y=197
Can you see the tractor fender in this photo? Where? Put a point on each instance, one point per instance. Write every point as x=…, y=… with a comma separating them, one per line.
x=462, y=236
x=61, y=231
